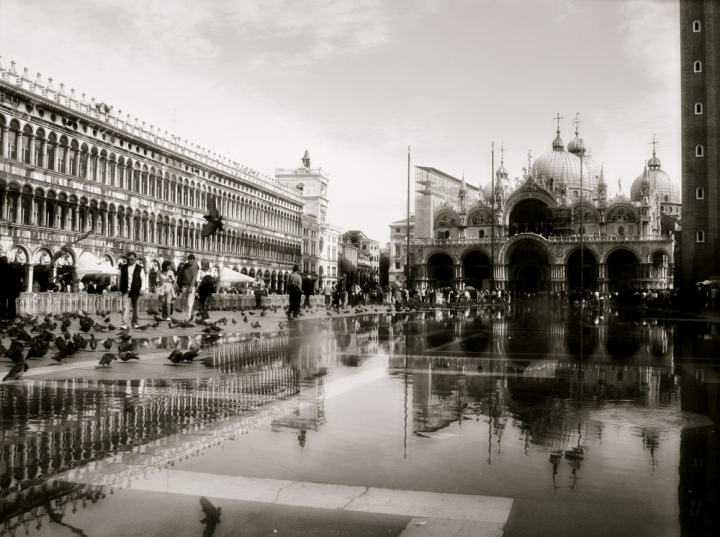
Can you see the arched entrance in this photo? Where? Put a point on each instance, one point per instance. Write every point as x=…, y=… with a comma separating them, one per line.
x=529, y=268
x=577, y=280
x=529, y=216
x=621, y=269
x=476, y=267
x=441, y=271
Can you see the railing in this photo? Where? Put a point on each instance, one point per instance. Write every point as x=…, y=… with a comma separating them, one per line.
x=59, y=303
x=551, y=238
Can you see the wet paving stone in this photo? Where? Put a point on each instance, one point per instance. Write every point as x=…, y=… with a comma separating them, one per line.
x=547, y=414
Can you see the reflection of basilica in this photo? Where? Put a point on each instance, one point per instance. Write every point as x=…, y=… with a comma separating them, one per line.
x=533, y=227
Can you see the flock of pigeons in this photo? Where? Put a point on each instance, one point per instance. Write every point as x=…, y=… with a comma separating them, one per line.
x=32, y=337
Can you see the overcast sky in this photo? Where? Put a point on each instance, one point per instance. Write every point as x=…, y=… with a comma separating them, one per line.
x=357, y=81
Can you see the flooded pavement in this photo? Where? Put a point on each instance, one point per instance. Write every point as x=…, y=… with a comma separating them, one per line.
x=425, y=423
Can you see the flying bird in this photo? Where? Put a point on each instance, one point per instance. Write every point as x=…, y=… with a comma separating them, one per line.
x=214, y=220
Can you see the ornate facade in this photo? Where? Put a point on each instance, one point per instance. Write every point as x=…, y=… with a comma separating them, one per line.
x=69, y=166
x=553, y=230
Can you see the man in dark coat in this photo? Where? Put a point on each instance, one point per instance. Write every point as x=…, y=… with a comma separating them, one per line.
x=308, y=287
x=132, y=285
x=295, y=292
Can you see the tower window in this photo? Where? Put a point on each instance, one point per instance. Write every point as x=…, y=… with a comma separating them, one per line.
x=698, y=108
x=700, y=236
x=696, y=26
x=700, y=193
x=697, y=67
x=699, y=151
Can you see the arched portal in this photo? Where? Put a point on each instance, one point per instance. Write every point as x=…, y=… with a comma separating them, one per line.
x=476, y=266
x=441, y=270
x=621, y=270
x=529, y=268
x=582, y=278
x=529, y=216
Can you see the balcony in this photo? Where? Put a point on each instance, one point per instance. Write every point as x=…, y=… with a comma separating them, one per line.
x=559, y=239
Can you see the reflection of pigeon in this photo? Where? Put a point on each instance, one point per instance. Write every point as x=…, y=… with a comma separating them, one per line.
x=214, y=220
x=212, y=516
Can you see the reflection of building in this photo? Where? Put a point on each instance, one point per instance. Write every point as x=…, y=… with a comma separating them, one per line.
x=72, y=165
x=320, y=239
x=699, y=82
x=532, y=227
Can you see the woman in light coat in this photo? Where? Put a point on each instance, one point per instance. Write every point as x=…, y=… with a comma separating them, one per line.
x=166, y=288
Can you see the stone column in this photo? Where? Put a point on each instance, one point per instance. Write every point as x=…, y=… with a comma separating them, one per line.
x=29, y=277
x=73, y=273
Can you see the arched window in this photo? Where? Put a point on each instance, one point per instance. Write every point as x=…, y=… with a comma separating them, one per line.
x=51, y=152
x=26, y=141
x=62, y=155
x=697, y=26
x=83, y=162
x=699, y=193
x=481, y=234
x=40, y=148
x=2, y=135
x=698, y=108
x=697, y=66
x=621, y=230
x=92, y=165
x=699, y=151
x=13, y=139
x=72, y=158
x=699, y=236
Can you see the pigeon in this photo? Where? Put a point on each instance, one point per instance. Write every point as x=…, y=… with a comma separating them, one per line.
x=59, y=356
x=93, y=342
x=176, y=356
x=255, y=324
x=245, y=319
x=108, y=343
x=234, y=321
x=126, y=356
x=212, y=515
x=107, y=359
x=16, y=371
x=214, y=220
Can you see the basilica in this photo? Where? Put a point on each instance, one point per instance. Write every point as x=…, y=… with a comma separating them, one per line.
x=554, y=229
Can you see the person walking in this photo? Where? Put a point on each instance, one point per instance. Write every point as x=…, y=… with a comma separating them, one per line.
x=308, y=287
x=328, y=291
x=132, y=282
x=205, y=290
x=295, y=291
x=165, y=291
x=187, y=283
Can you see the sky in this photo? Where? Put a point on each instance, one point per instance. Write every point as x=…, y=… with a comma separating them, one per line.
x=357, y=82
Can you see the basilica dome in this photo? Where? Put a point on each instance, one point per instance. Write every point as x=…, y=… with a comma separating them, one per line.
x=502, y=182
x=559, y=164
x=659, y=181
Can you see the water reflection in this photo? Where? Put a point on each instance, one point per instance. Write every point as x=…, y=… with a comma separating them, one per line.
x=553, y=385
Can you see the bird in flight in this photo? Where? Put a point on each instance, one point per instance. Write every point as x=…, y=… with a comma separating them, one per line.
x=214, y=219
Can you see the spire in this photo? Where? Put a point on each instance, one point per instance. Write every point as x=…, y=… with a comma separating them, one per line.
x=558, y=143
x=601, y=180
x=576, y=146
x=654, y=162
x=463, y=186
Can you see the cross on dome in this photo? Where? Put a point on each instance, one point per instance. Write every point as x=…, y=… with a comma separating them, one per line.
x=577, y=122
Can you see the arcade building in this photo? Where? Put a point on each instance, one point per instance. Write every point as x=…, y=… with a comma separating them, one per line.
x=554, y=229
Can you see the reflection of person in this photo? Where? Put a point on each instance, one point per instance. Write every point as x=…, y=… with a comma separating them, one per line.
x=259, y=291
x=132, y=281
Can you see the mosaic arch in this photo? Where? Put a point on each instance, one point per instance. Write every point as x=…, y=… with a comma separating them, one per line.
x=480, y=217
x=621, y=213
x=447, y=218
x=42, y=256
x=521, y=195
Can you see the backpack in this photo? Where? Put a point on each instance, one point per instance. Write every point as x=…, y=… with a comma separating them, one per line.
x=180, y=270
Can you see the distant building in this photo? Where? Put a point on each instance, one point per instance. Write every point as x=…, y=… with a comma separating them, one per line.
x=397, y=247
x=700, y=102
x=320, y=239
x=369, y=257
x=553, y=230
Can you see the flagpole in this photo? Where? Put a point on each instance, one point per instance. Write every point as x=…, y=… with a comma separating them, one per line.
x=492, y=219
x=407, y=253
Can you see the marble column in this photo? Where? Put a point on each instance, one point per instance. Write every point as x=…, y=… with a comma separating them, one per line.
x=29, y=277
